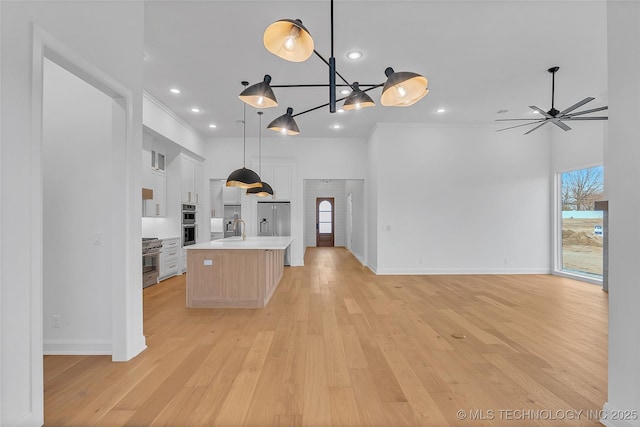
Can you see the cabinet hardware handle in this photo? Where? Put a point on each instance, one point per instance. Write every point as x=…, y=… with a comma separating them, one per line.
x=158, y=209
x=189, y=194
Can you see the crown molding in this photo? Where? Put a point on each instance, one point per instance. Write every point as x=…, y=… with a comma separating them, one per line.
x=173, y=115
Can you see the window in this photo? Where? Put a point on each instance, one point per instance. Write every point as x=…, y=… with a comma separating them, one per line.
x=582, y=226
x=325, y=217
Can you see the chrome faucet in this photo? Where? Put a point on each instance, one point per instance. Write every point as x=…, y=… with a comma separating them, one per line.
x=235, y=224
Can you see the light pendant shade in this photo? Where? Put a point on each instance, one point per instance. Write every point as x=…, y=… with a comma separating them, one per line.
x=403, y=89
x=260, y=95
x=358, y=99
x=244, y=178
x=289, y=40
x=263, y=191
x=285, y=124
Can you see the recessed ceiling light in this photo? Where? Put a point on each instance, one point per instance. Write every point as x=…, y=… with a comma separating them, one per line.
x=354, y=54
x=441, y=110
x=174, y=90
x=212, y=126
x=336, y=126
x=340, y=110
x=345, y=92
x=195, y=110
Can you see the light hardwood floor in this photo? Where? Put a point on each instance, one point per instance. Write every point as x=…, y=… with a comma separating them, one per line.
x=339, y=346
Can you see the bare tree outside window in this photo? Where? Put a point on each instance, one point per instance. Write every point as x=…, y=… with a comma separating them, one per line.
x=581, y=189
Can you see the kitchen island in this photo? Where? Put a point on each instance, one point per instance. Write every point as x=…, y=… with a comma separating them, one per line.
x=235, y=273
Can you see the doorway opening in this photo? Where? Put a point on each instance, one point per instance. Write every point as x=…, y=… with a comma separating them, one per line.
x=325, y=219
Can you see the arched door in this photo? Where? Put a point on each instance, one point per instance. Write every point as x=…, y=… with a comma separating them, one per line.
x=325, y=221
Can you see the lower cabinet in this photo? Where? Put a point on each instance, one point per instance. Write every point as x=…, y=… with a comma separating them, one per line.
x=170, y=257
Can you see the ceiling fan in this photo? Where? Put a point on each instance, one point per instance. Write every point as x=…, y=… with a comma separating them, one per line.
x=554, y=116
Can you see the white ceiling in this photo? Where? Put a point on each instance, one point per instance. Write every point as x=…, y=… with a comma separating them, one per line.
x=479, y=57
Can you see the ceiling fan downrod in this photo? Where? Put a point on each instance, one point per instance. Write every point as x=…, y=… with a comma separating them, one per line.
x=553, y=112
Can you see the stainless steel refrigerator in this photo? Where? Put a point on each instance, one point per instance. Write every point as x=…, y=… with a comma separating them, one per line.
x=274, y=219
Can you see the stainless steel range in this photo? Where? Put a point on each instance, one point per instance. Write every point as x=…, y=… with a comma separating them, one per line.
x=151, y=247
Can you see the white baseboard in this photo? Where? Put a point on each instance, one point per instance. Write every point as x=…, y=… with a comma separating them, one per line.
x=456, y=271
x=614, y=417
x=76, y=347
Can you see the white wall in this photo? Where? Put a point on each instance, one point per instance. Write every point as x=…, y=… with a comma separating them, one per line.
x=77, y=161
x=105, y=37
x=581, y=147
x=314, y=188
x=356, y=189
x=313, y=158
x=461, y=200
x=622, y=180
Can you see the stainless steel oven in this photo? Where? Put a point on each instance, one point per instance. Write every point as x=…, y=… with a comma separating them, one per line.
x=150, y=260
x=188, y=214
x=189, y=232
x=189, y=226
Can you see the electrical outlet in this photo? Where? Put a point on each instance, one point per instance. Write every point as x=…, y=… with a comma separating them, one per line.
x=55, y=321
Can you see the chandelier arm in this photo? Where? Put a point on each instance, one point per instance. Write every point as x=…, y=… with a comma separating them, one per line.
x=337, y=100
x=373, y=85
x=329, y=65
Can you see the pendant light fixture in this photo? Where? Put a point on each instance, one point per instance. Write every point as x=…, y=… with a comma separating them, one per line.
x=265, y=190
x=285, y=124
x=357, y=99
x=403, y=89
x=290, y=40
x=244, y=178
x=260, y=95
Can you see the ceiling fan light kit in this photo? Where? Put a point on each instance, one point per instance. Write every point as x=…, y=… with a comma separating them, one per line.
x=289, y=39
x=555, y=116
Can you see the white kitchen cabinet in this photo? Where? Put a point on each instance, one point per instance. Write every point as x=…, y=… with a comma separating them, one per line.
x=191, y=180
x=154, y=176
x=170, y=263
x=282, y=181
x=280, y=175
x=157, y=207
x=232, y=195
x=199, y=185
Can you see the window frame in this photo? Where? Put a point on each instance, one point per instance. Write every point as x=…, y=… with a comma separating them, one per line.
x=557, y=228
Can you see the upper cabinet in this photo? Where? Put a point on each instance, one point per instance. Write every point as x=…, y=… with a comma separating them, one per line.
x=192, y=176
x=154, y=177
x=280, y=175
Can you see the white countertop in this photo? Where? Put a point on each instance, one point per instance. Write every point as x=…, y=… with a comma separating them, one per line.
x=252, y=242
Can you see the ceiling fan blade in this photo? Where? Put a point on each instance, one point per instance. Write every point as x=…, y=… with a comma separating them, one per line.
x=541, y=124
x=587, y=118
x=593, y=110
x=516, y=126
x=541, y=111
x=561, y=125
x=505, y=120
x=576, y=105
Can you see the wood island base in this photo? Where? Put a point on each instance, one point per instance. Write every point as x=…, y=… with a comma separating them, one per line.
x=233, y=278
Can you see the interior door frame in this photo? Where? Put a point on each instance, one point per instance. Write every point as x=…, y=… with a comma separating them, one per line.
x=333, y=220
